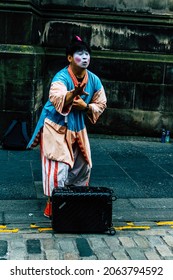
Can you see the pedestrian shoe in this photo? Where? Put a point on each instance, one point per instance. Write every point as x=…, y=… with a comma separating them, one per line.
x=48, y=210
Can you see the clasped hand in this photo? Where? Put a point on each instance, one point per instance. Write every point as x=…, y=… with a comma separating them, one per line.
x=79, y=90
x=78, y=102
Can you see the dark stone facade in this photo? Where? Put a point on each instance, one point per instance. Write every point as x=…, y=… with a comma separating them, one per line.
x=132, y=47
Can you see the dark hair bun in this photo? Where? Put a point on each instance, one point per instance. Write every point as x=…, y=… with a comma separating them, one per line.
x=76, y=44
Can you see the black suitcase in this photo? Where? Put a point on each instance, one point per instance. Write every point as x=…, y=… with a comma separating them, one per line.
x=82, y=210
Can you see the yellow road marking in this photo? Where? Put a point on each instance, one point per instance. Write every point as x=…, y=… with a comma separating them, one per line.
x=44, y=229
x=1, y=226
x=131, y=227
x=127, y=226
x=34, y=226
x=168, y=223
x=40, y=229
x=130, y=224
x=9, y=230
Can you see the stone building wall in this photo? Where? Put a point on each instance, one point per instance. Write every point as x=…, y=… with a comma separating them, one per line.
x=132, y=46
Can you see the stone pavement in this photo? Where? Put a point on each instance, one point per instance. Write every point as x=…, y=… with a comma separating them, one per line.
x=153, y=244
x=139, y=170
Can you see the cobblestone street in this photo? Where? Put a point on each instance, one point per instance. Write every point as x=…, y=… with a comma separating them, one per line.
x=153, y=244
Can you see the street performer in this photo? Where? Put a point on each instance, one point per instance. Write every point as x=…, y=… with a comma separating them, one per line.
x=75, y=92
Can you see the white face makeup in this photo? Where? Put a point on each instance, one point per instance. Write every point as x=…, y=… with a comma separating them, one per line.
x=82, y=58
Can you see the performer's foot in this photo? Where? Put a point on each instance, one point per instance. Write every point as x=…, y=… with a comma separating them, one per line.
x=48, y=210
